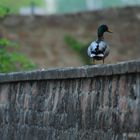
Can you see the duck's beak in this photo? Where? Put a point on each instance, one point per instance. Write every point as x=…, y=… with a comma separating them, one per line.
x=109, y=31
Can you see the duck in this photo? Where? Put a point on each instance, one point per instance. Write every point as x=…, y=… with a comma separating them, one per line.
x=99, y=49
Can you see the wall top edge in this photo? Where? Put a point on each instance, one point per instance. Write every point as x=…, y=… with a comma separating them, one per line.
x=87, y=71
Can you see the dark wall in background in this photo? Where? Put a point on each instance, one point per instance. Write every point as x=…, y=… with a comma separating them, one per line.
x=42, y=37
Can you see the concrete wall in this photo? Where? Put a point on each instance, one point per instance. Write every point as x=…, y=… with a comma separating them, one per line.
x=100, y=102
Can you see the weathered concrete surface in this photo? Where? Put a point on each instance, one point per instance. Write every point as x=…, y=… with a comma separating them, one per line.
x=89, y=103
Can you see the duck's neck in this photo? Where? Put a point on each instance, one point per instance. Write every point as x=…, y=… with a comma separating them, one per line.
x=100, y=38
x=100, y=33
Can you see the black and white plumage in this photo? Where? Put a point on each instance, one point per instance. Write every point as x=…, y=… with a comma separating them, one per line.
x=99, y=50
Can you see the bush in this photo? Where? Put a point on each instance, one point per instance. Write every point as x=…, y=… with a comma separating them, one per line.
x=3, y=11
x=78, y=47
x=11, y=60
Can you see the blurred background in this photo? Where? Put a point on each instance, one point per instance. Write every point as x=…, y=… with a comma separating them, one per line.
x=56, y=33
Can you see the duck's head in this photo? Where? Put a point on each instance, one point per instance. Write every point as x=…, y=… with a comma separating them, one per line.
x=102, y=29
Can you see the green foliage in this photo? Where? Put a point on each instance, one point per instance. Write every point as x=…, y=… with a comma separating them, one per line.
x=3, y=11
x=11, y=60
x=15, y=5
x=78, y=47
